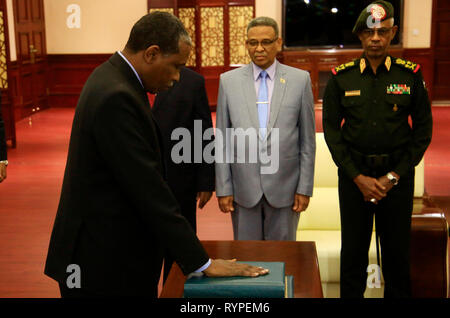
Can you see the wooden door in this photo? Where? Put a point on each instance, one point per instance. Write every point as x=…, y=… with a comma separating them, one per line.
x=31, y=56
x=5, y=77
x=441, y=48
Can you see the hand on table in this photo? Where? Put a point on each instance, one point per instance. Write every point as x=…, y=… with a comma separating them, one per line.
x=228, y=268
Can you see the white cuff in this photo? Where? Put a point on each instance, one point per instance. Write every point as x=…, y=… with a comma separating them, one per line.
x=201, y=269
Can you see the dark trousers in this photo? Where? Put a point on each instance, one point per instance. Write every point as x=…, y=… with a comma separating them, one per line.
x=75, y=292
x=149, y=292
x=188, y=205
x=393, y=225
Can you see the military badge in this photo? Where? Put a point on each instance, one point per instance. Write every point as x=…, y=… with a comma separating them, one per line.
x=377, y=12
x=398, y=89
x=362, y=65
x=353, y=93
x=395, y=108
x=388, y=63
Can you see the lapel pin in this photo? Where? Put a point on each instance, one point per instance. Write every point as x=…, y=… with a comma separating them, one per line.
x=282, y=80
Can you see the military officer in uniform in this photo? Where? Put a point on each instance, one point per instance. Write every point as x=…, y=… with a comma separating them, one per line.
x=366, y=107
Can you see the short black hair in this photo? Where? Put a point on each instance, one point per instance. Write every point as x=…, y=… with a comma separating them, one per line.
x=158, y=28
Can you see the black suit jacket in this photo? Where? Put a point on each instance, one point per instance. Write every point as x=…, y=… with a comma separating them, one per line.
x=182, y=105
x=116, y=215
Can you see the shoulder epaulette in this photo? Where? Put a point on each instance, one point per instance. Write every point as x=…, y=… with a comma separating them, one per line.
x=343, y=67
x=411, y=66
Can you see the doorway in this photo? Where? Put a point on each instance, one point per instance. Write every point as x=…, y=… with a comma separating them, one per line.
x=31, y=57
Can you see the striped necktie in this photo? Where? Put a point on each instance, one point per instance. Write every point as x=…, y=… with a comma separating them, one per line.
x=263, y=103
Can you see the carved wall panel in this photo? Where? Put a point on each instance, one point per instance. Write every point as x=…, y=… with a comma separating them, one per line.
x=240, y=16
x=187, y=16
x=212, y=40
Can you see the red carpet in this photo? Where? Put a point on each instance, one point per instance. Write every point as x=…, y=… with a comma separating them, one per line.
x=437, y=157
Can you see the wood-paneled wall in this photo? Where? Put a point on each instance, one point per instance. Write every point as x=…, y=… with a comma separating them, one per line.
x=68, y=73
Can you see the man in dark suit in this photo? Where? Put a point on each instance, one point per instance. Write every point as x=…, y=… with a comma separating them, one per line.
x=3, y=157
x=185, y=106
x=117, y=216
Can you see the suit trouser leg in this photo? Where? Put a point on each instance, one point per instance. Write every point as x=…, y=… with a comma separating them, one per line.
x=280, y=224
x=356, y=233
x=393, y=222
x=188, y=207
x=247, y=222
x=264, y=222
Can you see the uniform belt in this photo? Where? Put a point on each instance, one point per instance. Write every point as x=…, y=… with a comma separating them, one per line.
x=376, y=161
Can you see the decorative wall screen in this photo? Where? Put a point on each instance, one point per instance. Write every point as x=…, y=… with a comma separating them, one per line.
x=218, y=31
x=187, y=16
x=212, y=38
x=169, y=10
x=240, y=16
x=3, y=58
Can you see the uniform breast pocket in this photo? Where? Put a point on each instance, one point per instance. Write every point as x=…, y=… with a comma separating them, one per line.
x=353, y=106
x=398, y=104
x=352, y=101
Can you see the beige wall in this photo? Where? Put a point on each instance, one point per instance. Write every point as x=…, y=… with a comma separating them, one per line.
x=11, y=31
x=270, y=8
x=417, y=23
x=105, y=25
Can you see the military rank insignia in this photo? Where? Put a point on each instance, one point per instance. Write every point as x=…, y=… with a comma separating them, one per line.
x=342, y=67
x=398, y=89
x=414, y=67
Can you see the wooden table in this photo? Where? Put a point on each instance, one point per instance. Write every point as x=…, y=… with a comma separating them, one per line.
x=300, y=260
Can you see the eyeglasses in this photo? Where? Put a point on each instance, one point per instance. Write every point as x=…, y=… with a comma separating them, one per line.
x=371, y=32
x=264, y=43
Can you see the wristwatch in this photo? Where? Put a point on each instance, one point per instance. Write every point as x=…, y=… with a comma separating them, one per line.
x=5, y=162
x=392, y=178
